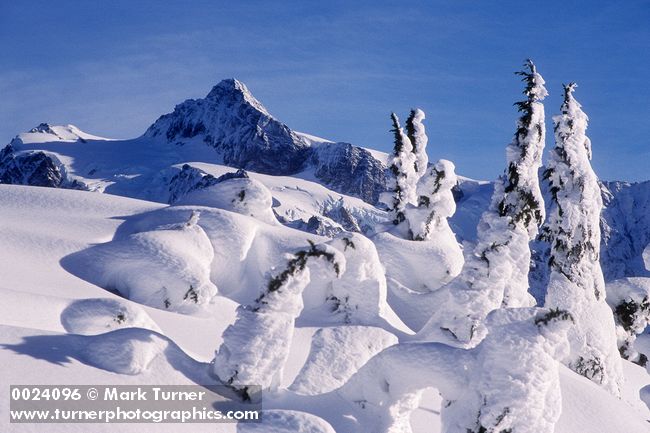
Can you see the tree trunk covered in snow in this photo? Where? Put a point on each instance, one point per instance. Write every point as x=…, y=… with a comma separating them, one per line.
x=402, y=184
x=429, y=220
x=496, y=273
x=573, y=231
x=255, y=347
x=418, y=137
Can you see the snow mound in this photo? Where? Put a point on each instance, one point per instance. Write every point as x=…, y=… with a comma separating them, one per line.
x=359, y=295
x=124, y=351
x=413, y=307
x=421, y=266
x=242, y=195
x=644, y=393
x=286, y=421
x=336, y=354
x=509, y=382
x=167, y=267
x=100, y=315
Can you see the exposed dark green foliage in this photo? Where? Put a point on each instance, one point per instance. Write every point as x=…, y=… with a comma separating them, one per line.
x=553, y=315
x=592, y=369
x=192, y=295
x=410, y=133
x=398, y=146
x=425, y=201
x=120, y=318
x=297, y=265
x=348, y=243
x=628, y=310
x=518, y=202
x=626, y=313
x=341, y=306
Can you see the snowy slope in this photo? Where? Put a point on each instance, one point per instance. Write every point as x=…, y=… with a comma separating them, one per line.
x=51, y=321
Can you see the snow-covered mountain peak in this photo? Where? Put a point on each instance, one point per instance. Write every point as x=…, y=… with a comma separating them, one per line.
x=233, y=90
x=46, y=132
x=44, y=128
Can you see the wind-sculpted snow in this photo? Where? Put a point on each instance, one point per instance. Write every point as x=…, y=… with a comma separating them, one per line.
x=96, y=316
x=319, y=293
x=166, y=267
x=509, y=383
x=358, y=296
x=501, y=258
x=49, y=236
x=124, y=351
x=421, y=266
x=255, y=348
x=336, y=354
x=242, y=195
x=624, y=223
x=429, y=220
x=286, y=421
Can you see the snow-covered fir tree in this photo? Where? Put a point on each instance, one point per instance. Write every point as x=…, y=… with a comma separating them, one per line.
x=421, y=196
x=521, y=200
x=402, y=189
x=573, y=230
x=496, y=272
x=428, y=220
x=416, y=134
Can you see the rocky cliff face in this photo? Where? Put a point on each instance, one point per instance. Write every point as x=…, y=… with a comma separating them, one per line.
x=625, y=226
x=238, y=127
x=33, y=168
x=244, y=135
x=349, y=169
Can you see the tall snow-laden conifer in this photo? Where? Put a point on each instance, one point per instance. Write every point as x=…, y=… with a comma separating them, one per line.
x=402, y=187
x=427, y=217
x=418, y=137
x=573, y=230
x=521, y=200
x=428, y=221
x=496, y=272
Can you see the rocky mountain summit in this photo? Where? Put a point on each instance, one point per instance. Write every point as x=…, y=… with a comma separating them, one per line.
x=229, y=126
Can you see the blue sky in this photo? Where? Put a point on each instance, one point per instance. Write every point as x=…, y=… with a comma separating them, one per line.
x=337, y=68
